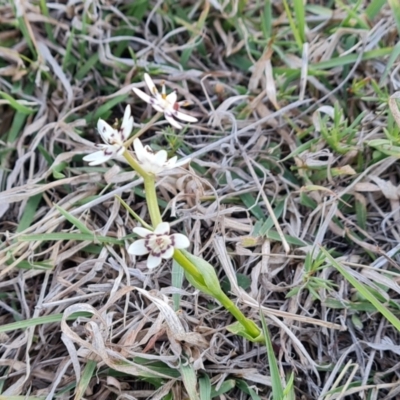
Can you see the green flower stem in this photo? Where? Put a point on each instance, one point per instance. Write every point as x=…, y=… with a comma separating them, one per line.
x=149, y=188
x=248, y=324
x=134, y=164
x=134, y=215
x=151, y=199
x=188, y=266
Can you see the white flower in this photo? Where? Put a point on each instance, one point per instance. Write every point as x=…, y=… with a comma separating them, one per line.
x=113, y=138
x=164, y=103
x=158, y=244
x=151, y=162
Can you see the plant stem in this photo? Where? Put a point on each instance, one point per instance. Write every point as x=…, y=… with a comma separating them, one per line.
x=191, y=269
x=188, y=266
x=248, y=324
x=134, y=215
x=151, y=199
x=149, y=188
x=134, y=164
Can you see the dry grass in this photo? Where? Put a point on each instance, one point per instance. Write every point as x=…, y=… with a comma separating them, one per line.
x=296, y=153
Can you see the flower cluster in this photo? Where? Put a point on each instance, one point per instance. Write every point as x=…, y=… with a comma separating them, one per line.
x=158, y=244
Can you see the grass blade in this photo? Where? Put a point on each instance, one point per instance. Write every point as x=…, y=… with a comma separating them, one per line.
x=364, y=291
x=277, y=388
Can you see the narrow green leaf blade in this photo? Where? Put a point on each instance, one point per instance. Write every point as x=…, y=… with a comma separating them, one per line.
x=74, y=221
x=87, y=375
x=364, y=291
x=277, y=387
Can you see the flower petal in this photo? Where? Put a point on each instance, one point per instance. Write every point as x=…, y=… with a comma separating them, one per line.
x=127, y=123
x=153, y=261
x=168, y=253
x=105, y=130
x=172, y=97
x=171, y=120
x=162, y=229
x=142, y=232
x=152, y=168
x=184, y=117
x=181, y=162
x=99, y=157
x=139, y=149
x=160, y=158
x=158, y=108
x=138, y=248
x=171, y=162
x=180, y=241
x=150, y=84
x=145, y=97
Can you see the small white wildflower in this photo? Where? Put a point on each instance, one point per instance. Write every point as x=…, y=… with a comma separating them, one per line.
x=158, y=244
x=113, y=138
x=164, y=103
x=152, y=162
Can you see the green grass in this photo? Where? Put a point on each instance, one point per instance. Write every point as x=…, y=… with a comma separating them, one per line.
x=305, y=200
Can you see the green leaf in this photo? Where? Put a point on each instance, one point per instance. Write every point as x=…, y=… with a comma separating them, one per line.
x=74, y=221
x=57, y=170
x=364, y=291
x=266, y=20
x=293, y=25
x=225, y=387
x=15, y=104
x=277, y=387
x=394, y=56
x=17, y=126
x=238, y=329
x=38, y=265
x=385, y=146
x=85, y=379
x=98, y=113
x=90, y=63
x=299, y=13
x=351, y=59
x=288, y=392
x=29, y=212
x=189, y=379
x=395, y=6
x=212, y=286
x=48, y=319
x=269, y=223
x=274, y=235
x=374, y=8
x=205, y=387
x=251, y=203
x=177, y=281
x=23, y=397
x=244, y=387
x=243, y=281
x=69, y=236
